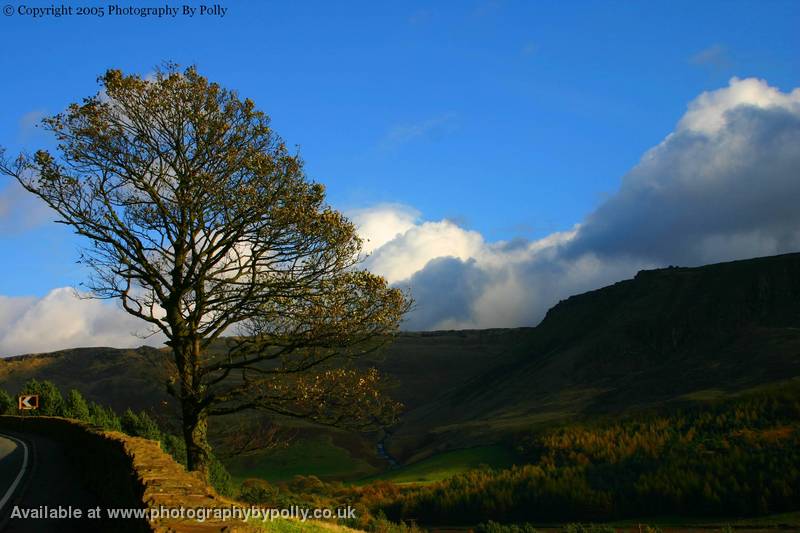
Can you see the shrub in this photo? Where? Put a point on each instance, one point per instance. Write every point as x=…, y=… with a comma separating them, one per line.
x=76, y=406
x=220, y=478
x=382, y=525
x=8, y=404
x=104, y=417
x=140, y=425
x=175, y=446
x=494, y=527
x=307, y=484
x=258, y=491
x=587, y=528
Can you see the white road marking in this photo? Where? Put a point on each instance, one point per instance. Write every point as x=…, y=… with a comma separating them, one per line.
x=22, y=470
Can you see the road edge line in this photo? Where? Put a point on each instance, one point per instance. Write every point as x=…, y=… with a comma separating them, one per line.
x=21, y=474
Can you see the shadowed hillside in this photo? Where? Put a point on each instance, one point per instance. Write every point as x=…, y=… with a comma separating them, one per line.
x=420, y=365
x=668, y=334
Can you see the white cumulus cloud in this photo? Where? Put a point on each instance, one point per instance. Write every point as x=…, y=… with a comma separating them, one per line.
x=708, y=113
x=410, y=251
x=380, y=224
x=61, y=320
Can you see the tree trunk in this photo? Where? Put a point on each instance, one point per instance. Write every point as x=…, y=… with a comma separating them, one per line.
x=195, y=434
x=194, y=417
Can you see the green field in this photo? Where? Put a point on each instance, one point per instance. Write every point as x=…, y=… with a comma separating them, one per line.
x=448, y=464
x=307, y=456
x=324, y=459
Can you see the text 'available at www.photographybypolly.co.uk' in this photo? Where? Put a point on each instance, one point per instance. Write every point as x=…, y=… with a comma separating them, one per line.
x=199, y=514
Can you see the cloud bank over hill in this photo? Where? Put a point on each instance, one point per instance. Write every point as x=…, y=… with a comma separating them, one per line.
x=61, y=320
x=724, y=185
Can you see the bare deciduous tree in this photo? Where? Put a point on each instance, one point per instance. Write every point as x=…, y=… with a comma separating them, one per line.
x=201, y=223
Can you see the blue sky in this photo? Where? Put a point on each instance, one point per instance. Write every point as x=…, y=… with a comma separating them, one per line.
x=511, y=119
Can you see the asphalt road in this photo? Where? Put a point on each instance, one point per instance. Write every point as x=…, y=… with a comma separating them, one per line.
x=37, y=475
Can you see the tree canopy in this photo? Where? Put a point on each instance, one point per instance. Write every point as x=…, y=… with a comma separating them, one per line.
x=201, y=223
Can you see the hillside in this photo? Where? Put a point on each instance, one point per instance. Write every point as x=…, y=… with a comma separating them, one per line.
x=668, y=335
x=419, y=365
x=671, y=334
x=119, y=378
